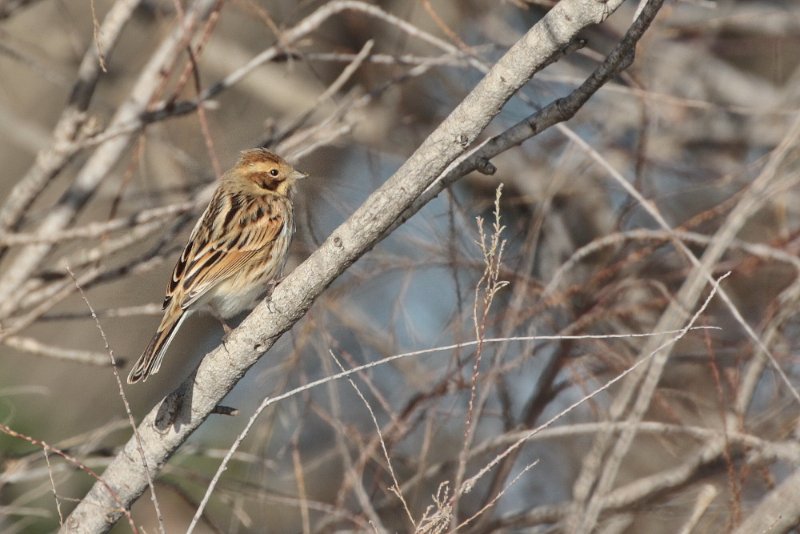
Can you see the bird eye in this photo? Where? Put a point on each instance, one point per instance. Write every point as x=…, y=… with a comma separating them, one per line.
x=273, y=172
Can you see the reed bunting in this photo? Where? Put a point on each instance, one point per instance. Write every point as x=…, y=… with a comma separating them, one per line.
x=237, y=248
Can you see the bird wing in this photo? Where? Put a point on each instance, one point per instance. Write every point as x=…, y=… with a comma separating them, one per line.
x=232, y=231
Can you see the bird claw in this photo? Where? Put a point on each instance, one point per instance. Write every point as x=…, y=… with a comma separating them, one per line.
x=268, y=297
x=225, y=328
x=270, y=304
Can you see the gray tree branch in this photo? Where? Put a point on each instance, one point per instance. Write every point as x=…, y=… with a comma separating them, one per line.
x=778, y=512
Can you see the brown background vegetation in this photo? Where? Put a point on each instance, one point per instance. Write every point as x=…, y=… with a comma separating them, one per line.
x=712, y=93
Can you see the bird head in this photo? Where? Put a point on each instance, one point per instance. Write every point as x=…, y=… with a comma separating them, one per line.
x=264, y=172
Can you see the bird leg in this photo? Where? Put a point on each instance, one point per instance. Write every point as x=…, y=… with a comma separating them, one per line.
x=268, y=296
x=225, y=328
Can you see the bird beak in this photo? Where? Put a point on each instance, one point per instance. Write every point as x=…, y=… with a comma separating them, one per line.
x=297, y=175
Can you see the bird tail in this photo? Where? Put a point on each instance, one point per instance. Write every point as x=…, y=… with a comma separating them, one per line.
x=150, y=360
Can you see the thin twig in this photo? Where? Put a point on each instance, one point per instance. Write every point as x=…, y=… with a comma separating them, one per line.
x=125, y=403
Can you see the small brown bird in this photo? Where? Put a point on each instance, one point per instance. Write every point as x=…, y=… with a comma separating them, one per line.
x=236, y=249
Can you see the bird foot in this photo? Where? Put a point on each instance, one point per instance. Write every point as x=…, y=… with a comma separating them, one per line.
x=270, y=304
x=268, y=296
x=225, y=328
